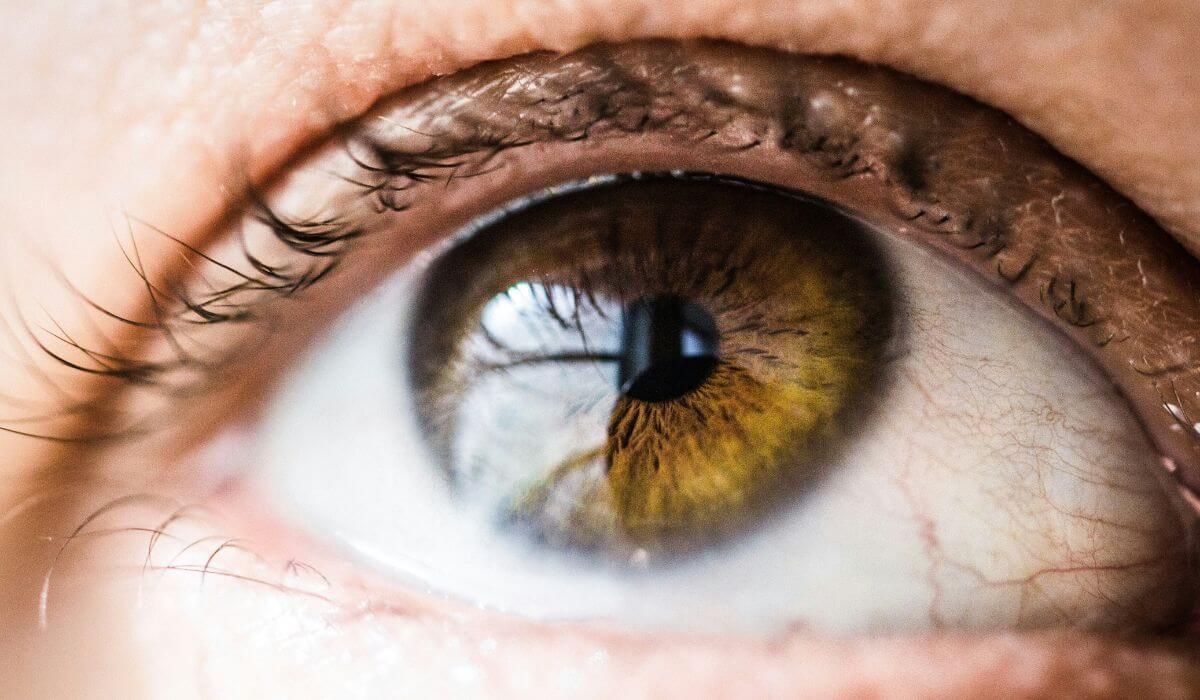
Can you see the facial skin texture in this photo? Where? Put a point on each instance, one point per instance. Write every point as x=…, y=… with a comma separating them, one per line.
x=157, y=109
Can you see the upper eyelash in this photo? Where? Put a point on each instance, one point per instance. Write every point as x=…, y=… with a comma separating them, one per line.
x=388, y=176
x=319, y=245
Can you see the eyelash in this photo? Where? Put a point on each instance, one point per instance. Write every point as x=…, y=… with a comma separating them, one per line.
x=173, y=312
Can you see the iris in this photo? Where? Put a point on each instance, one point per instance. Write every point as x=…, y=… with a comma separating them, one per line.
x=644, y=366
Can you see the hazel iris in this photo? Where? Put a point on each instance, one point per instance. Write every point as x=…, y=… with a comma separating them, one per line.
x=645, y=366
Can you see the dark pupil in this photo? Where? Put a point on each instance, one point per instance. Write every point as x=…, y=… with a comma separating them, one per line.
x=668, y=348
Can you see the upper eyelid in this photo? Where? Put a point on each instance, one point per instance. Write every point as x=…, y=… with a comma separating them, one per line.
x=316, y=244
x=390, y=169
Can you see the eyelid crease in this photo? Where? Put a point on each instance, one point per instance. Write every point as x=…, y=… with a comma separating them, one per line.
x=1039, y=226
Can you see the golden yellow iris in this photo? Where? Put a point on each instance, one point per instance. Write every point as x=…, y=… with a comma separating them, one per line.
x=803, y=313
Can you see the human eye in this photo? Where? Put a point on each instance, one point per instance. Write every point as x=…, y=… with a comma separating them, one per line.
x=917, y=377
x=635, y=381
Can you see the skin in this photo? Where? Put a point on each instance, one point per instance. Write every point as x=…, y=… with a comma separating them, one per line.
x=163, y=109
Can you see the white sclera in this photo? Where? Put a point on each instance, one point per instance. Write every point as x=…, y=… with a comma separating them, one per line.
x=1001, y=482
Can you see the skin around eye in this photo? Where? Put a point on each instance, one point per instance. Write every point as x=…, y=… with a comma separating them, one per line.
x=1068, y=301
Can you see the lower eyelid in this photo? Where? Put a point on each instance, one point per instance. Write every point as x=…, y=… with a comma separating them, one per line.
x=261, y=620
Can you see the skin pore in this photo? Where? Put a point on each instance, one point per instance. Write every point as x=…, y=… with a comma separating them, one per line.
x=163, y=111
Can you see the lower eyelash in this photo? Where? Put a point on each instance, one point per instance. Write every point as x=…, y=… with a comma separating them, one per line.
x=178, y=538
